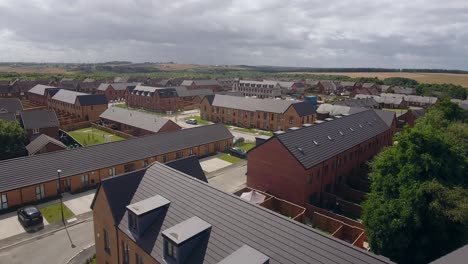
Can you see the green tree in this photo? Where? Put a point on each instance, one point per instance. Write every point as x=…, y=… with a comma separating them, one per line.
x=417, y=209
x=399, y=81
x=12, y=140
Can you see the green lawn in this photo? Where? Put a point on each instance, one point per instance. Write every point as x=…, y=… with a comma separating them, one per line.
x=229, y=158
x=52, y=213
x=199, y=120
x=245, y=146
x=266, y=133
x=122, y=105
x=91, y=136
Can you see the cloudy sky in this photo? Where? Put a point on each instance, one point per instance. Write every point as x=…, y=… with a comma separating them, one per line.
x=314, y=33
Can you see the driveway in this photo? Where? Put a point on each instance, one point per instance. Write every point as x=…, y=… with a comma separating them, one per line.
x=10, y=226
x=213, y=164
x=230, y=179
x=79, y=203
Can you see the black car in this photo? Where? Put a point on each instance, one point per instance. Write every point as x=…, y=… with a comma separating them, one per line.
x=29, y=216
x=238, y=152
x=238, y=140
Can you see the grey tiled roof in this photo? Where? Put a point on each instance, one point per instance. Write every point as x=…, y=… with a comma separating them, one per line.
x=39, y=119
x=39, y=89
x=8, y=116
x=366, y=125
x=183, y=92
x=252, y=104
x=304, y=108
x=26, y=171
x=363, y=102
x=190, y=166
x=234, y=222
x=67, y=96
x=10, y=105
x=92, y=99
x=136, y=119
x=40, y=142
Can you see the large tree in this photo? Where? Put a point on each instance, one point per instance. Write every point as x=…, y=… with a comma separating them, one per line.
x=12, y=140
x=417, y=209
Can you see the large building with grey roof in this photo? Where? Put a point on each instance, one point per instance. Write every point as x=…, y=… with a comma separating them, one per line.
x=34, y=178
x=266, y=114
x=213, y=85
x=161, y=215
x=137, y=123
x=300, y=165
x=77, y=106
x=116, y=91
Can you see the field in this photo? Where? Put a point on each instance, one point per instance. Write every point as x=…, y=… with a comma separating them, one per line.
x=52, y=70
x=460, y=79
x=90, y=136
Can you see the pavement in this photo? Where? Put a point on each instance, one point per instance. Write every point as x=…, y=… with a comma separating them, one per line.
x=212, y=164
x=229, y=179
x=53, y=247
x=79, y=204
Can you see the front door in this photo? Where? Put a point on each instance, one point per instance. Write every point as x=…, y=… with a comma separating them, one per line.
x=66, y=185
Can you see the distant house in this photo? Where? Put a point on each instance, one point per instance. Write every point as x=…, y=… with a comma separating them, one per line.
x=159, y=99
x=190, y=99
x=413, y=100
x=137, y=123
x=39, y=93
x=213, y=85
x=367, y=89
x=86, y=107
x=5, y=89
x=349, y=86
x=291, y=87
x=88, y=86
x=115, y=91
x=325, y=111
x=44, y=144
x=37, y=122
x=228, y=83
x=20, y=88
x=10, y=105
x=69, y=84
x=385, y=88
x=259, y=89
x=385, y=101
x=327, y=87
x=363, y=102
x=401, y=90
x=267, y=114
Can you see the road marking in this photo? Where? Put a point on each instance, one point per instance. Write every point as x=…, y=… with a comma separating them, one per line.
x=71, y=220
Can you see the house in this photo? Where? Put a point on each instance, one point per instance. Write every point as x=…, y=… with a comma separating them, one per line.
x=86, y=107
x=409, y=117
x=161, y=99
x=362, y=102
x=137, y=123
x=300, y=165
x=116, y=91
x=10, y=105
x=259, y=89
x=180, y=219
x=44, y=144
x=190, y=166
x=213, y=85
x=69, y=84
x=267, y=114
x=349, y=86
x=291, y=87
x=413, y=100
x=385, y=101
x=37, y=122
x=39, y=93
x=401, y=90
x=34, y=178
x=327, y=87
x=228, y=83
x=20, y=88
x=5, y=89
x=190, y=99
x=326, y=111
x=8, y=117
x=88, y=86
x=385, y=88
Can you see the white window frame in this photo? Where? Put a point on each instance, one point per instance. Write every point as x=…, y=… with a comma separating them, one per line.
x=84, y=180
x=40, y=192
x=35, y=131
x=3, y=201
x=112, y=171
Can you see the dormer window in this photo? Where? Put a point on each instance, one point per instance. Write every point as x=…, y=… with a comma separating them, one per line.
x=132, y=222
x=141, y=214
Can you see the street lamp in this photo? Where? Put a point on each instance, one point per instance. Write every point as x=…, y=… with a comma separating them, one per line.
x=60, y=195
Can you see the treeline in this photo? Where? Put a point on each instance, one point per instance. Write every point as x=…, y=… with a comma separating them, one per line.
x=307, y=69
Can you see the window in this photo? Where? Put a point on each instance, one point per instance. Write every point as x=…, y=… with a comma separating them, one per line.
x=132, y=221
x=145, y=163
x=164, y=158
x=112, y=171
x=84, y=180
x=309, y=178
x=170, y=249
x=3, y=202
x=325, y=171
x=207, y=150
x=106, y=242
x=138, y=259
x=179, y=154
x=40, y=193
x=226, y=145
x=191, y=151
x=35, y=130
x=291, y=120
x=217, y=146
x=125, y=253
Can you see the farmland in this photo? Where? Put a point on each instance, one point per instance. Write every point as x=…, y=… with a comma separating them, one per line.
x=459, y=79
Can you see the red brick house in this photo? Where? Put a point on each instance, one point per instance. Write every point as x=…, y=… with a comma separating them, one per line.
x=115, y=91
x=160, y=99
x=137, y=123
x=327, y=87
x=213, y=85
x=37, y=122
x=39, y=93
x=44, y=144
x=86, y=107
x=300, y=165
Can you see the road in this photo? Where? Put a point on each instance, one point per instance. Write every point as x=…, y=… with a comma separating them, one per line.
x=54, y=248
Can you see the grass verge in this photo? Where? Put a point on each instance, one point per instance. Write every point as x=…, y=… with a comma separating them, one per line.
x=92, y=136
x=245, y=146
x=52, y=213
x=229, y=158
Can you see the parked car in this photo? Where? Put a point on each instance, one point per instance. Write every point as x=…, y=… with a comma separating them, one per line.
x=191, y=121
x=238, y=140
x=238, y=152
x=29, y=216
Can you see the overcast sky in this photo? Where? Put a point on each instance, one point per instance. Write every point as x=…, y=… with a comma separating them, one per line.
x=313, y=33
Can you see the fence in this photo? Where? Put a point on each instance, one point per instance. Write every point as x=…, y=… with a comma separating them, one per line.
x=350, y=194
x=75, y=126
x=112, y=131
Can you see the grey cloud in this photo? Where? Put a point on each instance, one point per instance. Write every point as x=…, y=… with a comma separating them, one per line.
x=334, y=33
